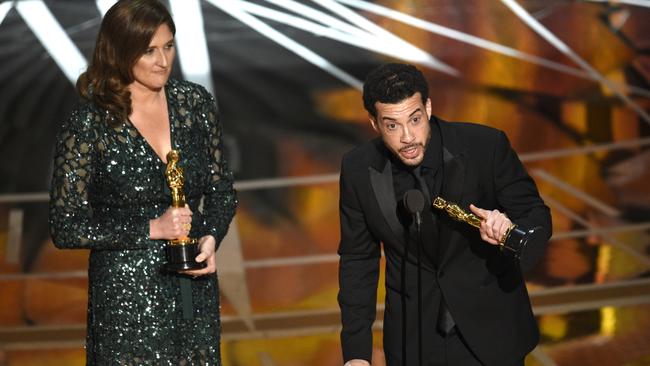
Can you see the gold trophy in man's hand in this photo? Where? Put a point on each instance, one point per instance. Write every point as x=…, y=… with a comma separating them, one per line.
x=181, y=252
x=457, y=213
x=515, y=239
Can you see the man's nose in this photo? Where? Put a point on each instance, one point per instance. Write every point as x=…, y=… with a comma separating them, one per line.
x=407, y=135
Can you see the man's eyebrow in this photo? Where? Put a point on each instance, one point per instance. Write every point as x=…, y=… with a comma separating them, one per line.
x=415, y=111
x=410, y=115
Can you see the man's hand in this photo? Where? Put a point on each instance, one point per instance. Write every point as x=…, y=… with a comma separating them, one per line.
x=357, y=363
x=494, y=226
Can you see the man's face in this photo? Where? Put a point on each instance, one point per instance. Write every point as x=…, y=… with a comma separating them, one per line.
x=404, y=128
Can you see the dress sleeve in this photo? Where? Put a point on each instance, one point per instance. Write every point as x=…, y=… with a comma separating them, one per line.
x=220, y=198
x=358, y=275
x=519, y=198
x=72, y=222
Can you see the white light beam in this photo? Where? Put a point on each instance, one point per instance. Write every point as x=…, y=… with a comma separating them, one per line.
x=562, y=47
x=360, y=21
x=480, y=42
x=104, y=5
x=53, y=37
x=460, y=36
x=4, y=9
x=366, y=41
x=234, y=9
x=643, y=3
x=191, y=42
x=319, y=16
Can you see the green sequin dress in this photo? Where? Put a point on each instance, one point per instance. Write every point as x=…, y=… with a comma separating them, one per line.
x=107, y=184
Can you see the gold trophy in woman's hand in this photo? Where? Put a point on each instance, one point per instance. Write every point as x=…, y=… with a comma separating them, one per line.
x=181, y=252
x=515, y=239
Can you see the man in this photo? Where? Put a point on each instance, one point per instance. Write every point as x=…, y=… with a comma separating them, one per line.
x=467, y=303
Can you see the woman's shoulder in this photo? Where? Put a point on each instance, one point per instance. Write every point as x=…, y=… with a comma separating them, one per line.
x=86, y=116
x=187, y=91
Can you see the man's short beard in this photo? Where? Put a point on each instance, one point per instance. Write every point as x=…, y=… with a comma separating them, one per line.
x=424, y=145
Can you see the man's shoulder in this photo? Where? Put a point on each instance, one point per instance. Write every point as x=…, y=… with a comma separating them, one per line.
x=471, y=129
x=469, y=133
x=362, y=156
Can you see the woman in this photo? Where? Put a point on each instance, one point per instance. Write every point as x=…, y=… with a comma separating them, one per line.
x=109, y=195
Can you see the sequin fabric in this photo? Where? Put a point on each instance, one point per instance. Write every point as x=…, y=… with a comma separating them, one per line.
x=107, y=184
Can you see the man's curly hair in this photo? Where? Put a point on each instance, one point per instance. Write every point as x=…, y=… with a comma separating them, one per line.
x=392, y=83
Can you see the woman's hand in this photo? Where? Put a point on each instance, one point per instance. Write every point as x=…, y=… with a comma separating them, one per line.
x=208, y=247
x=175, y=223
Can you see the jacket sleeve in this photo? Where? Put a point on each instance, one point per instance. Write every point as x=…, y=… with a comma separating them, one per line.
x=518, y=197
x=72, y=223
x=358, y=275
x=220, y=198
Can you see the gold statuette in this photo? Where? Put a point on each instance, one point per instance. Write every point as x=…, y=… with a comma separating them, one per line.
x=457, y=213
x=175, y=181
x=180, y=251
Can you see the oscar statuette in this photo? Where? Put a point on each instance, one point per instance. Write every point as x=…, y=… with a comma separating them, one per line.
x=515, y=239
x=181, y=252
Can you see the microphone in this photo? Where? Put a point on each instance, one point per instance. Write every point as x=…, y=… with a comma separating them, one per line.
x=414, y=203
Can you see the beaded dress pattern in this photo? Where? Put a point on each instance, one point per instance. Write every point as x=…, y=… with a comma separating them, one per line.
x=107, y=184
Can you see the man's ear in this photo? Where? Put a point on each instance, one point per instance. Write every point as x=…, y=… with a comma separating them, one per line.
x=373, y=122
x=428, y=107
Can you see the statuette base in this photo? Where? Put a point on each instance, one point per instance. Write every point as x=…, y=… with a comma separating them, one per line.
x=181, y=257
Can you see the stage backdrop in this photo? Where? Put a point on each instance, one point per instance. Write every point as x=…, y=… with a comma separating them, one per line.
x=568, y=81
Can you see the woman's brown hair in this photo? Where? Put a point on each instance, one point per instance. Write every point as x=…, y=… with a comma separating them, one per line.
x=123, y=37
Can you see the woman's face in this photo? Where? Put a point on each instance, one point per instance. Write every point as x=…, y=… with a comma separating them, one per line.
x=154, y=66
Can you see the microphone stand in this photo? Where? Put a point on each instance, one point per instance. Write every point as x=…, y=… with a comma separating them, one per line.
x=403, y=294
x=418, y=226
x=414, y=203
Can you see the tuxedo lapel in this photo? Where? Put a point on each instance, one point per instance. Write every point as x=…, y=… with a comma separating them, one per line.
x=452, y=187
x=382, y=186
x=452, y=191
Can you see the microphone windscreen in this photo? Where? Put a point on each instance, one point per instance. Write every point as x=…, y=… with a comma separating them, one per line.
x=414, y=201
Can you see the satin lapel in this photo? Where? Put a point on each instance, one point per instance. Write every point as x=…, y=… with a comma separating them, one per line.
x=382, y=186
x=452, y=191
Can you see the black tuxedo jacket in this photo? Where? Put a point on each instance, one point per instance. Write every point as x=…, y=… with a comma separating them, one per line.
x=483, y=287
